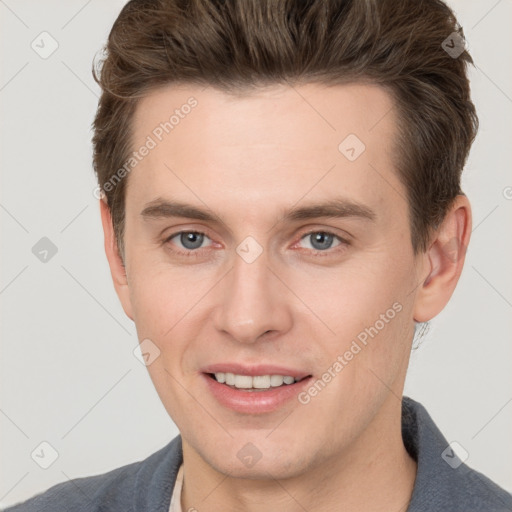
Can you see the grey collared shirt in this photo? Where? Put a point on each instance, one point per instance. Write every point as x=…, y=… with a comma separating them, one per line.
x=443, y=481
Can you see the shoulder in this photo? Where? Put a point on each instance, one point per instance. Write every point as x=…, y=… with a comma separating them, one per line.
x=87, y=493
x=467, y=490
x=142, y=485
x=443, y=480
x=482, y=493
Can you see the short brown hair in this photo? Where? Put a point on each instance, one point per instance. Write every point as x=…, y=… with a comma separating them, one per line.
x=237, y=45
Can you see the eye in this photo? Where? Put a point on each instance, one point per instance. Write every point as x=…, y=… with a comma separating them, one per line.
x=191, y=241
x=321, y=241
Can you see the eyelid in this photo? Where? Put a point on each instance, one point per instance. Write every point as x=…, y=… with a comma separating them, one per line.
x=185, y=251
x=342, y=245
x=330, y=231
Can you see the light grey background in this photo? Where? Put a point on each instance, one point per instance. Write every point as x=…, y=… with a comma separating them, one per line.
x=68, y=373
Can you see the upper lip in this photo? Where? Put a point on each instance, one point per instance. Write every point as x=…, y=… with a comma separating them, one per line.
x=255, y=369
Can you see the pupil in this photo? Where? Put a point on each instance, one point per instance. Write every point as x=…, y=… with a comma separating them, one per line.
x=325, y=237
x=188, y=238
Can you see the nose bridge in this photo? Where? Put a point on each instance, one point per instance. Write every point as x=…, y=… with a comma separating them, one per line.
x=251, y=304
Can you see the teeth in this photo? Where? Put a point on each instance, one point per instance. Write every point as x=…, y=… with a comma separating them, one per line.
x=276, y=380
x=243, y=381
x=256, y=382
x=261, y=381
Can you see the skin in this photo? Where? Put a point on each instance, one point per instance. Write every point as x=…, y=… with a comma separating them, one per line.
x=248, y=159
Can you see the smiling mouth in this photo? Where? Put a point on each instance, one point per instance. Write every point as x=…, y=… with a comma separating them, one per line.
x=256, y=382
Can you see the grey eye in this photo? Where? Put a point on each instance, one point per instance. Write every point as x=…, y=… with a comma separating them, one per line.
x=190, y=239
x=320, y=240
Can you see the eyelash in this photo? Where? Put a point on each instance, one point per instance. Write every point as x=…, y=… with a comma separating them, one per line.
x=198, y=252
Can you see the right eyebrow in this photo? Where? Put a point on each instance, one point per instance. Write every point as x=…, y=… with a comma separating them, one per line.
x=160, y=208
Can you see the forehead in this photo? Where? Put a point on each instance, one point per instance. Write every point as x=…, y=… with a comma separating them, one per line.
x=275, y=144
x=312, y=113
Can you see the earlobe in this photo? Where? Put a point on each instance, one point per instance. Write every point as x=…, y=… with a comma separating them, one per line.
x=117, y=268
x=443, y=261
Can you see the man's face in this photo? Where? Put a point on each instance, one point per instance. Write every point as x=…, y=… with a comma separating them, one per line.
x=258, y=293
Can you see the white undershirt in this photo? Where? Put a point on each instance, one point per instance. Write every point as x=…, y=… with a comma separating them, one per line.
x=175, y=505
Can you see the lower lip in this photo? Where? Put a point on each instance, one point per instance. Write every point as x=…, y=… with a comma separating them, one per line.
x=254, y=402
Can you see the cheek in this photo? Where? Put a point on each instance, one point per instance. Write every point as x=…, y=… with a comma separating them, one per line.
x=170, y=309
x=353, y=297
x=162, y=296
x=368, y=309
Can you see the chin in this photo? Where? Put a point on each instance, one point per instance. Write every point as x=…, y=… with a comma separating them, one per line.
x=256, y=460
x=262, y=470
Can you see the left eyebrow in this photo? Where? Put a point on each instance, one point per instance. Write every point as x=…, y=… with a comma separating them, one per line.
x=335, y=208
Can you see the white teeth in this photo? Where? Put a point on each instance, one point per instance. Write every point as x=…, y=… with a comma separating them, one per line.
x=256, y=382
x=276, y=380
x=243, y=381
x=261, y=382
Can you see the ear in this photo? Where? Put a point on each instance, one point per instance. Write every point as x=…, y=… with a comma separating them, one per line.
x=117, y=268
x=443, y=261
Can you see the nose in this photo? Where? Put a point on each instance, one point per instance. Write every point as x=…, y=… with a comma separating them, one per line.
x=252, y=301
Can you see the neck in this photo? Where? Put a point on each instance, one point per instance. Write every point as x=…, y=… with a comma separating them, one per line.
x=374, y=474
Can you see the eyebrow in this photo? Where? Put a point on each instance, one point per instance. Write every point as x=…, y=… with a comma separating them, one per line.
x=334, y=208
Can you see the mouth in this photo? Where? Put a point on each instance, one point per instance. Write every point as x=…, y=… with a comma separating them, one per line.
x=254, y=383
x=254, y=390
